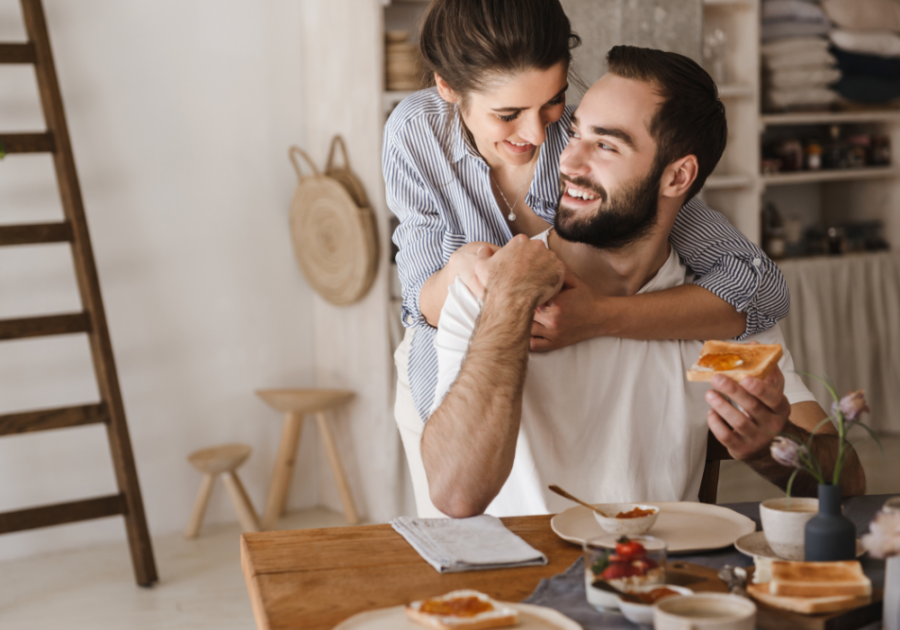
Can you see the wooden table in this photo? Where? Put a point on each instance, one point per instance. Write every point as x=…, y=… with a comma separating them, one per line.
x=316, y=578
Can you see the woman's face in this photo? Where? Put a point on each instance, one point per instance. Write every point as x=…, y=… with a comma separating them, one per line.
x=509, y=118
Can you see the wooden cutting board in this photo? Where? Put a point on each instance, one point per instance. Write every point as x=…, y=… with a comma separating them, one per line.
x=702, y=579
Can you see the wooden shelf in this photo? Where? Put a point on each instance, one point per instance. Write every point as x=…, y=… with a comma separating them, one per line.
x=831, y=118
x=724, y=182
x=735, y=91
x=810, y=177
x=727, y=3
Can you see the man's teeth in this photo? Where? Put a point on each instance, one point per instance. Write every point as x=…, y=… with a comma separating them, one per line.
x=580, y=195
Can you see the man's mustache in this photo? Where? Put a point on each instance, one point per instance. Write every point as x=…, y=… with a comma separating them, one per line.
x=584, y=183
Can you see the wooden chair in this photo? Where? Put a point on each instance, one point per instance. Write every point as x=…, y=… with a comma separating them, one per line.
x=213, y=462
x=294, y=403
x=709, y=484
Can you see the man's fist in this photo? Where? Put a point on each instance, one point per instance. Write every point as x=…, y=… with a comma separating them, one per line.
x=522, y=269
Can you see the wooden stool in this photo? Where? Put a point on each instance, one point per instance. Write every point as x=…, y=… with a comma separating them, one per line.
x=294, y=403
x=212, y=462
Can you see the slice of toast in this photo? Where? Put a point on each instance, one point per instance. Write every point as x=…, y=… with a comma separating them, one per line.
x=806, y=605
x=500, y=616
x=754, y=360
x=819, y=579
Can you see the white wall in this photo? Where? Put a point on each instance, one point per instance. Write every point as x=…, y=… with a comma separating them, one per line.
x=180, y=114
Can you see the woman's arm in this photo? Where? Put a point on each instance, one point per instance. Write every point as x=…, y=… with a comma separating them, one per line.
x=739, y=291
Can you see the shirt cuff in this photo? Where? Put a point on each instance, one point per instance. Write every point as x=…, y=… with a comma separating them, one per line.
x=738, y=281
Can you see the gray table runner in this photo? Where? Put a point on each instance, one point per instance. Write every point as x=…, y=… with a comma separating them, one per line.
x=565, y=592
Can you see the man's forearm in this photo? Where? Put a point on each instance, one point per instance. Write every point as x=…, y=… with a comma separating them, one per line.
x=468, y=445
x=825, y=449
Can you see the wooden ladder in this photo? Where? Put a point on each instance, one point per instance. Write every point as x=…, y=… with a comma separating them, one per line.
x=92, y=320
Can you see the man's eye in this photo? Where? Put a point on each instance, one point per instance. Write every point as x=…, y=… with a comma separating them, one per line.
x=606, y=147
x=508, y=118
x=572, y=133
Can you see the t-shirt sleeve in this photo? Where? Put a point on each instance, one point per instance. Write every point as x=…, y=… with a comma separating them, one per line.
x=794, y=387
x=457, y=325
x=730, y=266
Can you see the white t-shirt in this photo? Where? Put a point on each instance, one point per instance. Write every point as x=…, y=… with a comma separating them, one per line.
x=608, y=419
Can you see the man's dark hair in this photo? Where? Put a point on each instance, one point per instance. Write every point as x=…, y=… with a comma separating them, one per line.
x=691, y=118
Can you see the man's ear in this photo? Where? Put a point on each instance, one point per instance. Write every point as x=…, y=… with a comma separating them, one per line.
x=444, y=90
x=679, y=176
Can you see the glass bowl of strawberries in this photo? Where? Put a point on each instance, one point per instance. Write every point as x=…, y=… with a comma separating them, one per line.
x=620, y=564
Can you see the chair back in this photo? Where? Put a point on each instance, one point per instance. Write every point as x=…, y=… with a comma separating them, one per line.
x=709, y=484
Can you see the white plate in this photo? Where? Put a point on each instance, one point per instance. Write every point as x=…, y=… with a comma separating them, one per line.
x=394, y=618
x=685, y=526
x=755, y=544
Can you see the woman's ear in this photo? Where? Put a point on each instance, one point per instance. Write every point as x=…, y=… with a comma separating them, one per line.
x=679, y=176
x=445, y=91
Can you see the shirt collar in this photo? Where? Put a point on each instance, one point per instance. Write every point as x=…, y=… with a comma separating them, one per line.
x=460, y=146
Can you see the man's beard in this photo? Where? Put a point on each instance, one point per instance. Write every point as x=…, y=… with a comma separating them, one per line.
x=622, y=219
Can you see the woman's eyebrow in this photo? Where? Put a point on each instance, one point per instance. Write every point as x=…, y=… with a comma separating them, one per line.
x=518, y=109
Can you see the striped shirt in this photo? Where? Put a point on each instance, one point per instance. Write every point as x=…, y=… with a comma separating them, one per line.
x=439, y=188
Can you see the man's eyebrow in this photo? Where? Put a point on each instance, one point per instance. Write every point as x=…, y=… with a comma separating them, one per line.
x=612, y=133
x=518, y=109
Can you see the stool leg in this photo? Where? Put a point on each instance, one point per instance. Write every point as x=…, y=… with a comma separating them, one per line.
x=206, y=486
x=284, y=468
x=336, y=468
x=246, y=513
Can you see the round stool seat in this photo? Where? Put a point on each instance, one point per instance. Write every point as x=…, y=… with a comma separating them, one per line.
x=302, y=401
x=219, y=459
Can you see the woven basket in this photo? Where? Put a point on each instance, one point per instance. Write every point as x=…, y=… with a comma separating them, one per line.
x=334, y=238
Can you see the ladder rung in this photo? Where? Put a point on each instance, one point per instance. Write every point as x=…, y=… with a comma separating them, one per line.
x=44, y=326
x=47, y=419
x=17, y=53
x=28, y=142
x=35, y=233
x=62, y=513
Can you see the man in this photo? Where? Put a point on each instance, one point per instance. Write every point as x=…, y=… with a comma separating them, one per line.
x=608, y=419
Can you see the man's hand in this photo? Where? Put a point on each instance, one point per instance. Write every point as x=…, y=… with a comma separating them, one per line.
x=523, y=268
x=568, y=318
x=765, y=412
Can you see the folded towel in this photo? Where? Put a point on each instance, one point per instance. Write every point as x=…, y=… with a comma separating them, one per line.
x=868, y=65
x=794, y=45
x=821, y=58
x=802, y=97
x=467, y=544
x=793, y=10
x=792, y=28
x=875, y=15
x=869, y=90
x=882, y=43
x=814, y=76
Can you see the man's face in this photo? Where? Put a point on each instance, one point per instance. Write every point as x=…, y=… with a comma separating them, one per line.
x=609, y=182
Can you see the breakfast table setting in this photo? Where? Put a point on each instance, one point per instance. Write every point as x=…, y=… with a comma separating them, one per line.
x=377, y=576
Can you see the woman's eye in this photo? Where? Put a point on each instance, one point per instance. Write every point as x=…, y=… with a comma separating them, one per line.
x=559, y=100
x=508, y=118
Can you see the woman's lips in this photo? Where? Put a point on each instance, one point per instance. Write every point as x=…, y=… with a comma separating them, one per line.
x=514, y=148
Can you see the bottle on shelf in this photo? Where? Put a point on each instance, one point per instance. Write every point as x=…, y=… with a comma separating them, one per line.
x=835, y=150
x=773, y=237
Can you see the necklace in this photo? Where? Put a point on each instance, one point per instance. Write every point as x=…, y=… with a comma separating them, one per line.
x=512, y=212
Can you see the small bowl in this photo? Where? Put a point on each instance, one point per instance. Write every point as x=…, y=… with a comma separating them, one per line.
x=626, y=526
x=643, y=613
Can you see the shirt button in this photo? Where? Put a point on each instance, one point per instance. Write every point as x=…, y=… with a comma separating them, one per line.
x=410, y=320
x=757, y=262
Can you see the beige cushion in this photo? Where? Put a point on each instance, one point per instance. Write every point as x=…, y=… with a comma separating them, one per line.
x=884, y=43
x=864, y=14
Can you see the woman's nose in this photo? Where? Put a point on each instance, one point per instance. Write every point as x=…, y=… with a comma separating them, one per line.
x=533, y=130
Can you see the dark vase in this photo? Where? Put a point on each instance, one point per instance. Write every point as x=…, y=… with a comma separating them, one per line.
x=829, y=534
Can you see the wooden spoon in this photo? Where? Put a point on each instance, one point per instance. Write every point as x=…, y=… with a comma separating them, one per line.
x=565, y=494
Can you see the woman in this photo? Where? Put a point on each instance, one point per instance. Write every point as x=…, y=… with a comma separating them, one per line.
x=475, y=160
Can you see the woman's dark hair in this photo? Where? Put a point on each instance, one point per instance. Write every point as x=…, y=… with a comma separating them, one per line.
x=691, y=118
x=470, y=42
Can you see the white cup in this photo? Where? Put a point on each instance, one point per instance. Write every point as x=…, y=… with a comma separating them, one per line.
x=706, y=611
x=785, y=530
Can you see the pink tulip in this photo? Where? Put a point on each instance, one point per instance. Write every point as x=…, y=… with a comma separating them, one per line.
x=851, y=406
x=787, y=452
x=883, y=539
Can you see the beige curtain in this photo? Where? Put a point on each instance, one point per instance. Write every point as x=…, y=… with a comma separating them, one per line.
x=844, y=326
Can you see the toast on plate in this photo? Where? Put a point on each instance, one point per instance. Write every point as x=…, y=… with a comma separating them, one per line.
x=735, y=360
x=462, y=610
x=806, y=605
x=819, y=579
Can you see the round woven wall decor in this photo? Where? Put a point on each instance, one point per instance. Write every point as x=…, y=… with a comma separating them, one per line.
x=334, y=239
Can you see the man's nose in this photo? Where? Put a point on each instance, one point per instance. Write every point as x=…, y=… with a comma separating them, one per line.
x=573, y=160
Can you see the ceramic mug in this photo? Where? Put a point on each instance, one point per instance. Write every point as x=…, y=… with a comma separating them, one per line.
x=706, y=611
x=785, y=529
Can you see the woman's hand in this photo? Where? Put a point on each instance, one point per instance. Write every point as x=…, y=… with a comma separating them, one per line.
x=462, y=263
x=571, y=316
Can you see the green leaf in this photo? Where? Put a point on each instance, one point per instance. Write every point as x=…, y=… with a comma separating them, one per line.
x=874, y=437
x=791, y=483
x=2, y=151
x=831, y=391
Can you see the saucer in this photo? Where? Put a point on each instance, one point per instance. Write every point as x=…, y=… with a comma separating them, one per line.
x=755, y=544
